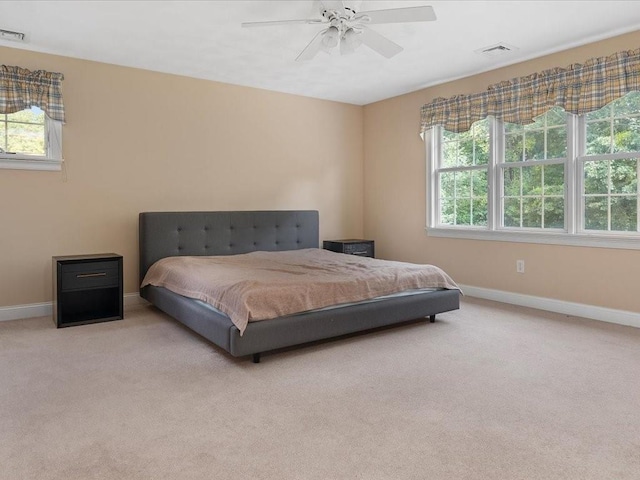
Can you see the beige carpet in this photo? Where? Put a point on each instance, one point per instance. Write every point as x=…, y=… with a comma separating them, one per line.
x=487, y=392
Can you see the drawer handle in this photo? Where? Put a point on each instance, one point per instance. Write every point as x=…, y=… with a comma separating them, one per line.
x=87, y=275
x=361, y=252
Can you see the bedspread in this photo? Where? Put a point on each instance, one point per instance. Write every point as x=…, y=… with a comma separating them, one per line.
x=262, y=285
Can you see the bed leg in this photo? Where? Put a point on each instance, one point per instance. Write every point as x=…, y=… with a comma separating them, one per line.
x=256, y=358
x=432, y=318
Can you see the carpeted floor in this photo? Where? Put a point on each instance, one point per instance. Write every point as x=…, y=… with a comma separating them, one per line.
x=487, y=392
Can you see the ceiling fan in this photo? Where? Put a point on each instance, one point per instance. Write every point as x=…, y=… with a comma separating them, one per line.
x=349, y=28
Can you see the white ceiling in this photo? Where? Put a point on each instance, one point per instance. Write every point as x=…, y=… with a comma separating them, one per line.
x=204, y=39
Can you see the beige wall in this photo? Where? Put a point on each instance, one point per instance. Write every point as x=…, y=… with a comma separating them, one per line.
x=395, y=208
x=141, y=141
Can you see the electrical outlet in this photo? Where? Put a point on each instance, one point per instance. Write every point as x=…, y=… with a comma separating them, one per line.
x=520, y=266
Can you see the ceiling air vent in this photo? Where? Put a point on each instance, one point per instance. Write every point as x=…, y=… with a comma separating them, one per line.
x=12, y=36
x=497, y=50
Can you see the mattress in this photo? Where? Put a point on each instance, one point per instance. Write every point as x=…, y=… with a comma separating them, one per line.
x=407, y=293
x=263, y=285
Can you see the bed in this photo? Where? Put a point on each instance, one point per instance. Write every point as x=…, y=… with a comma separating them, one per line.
x=193, y=234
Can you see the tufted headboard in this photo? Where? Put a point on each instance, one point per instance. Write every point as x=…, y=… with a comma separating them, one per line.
x=167, y=234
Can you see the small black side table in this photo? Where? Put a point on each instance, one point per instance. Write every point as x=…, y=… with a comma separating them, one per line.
x=352, y=246
x=87, y=289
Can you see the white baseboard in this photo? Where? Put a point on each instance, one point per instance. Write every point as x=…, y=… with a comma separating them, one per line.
x=133, y=299
x=16, y=312
x=45, y=309
x=610, y=315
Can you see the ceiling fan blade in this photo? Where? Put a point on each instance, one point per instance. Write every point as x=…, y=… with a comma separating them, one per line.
x=378, y=43
x=283, y=22
x=335, y=5
x=398, y=15
x=312, y=48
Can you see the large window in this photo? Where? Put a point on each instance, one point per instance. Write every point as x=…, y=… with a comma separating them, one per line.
x=562, y=179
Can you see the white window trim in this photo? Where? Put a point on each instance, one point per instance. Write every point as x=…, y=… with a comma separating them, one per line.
x=51, y=162
x=572, y=235
x=561, y=238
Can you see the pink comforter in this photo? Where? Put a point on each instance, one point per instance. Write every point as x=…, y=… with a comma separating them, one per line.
x=262, y=285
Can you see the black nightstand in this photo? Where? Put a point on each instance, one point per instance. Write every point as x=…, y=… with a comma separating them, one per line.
x=87, y=289
x=363, y=248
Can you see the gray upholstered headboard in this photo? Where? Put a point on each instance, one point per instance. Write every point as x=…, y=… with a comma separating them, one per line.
x=167, y=234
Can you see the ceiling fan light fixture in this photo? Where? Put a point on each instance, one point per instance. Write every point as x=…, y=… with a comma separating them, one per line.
x=351, y=40
x=331, y=37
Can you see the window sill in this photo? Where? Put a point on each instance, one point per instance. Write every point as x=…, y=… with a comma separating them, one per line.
x=23, y=162
x=627, y=242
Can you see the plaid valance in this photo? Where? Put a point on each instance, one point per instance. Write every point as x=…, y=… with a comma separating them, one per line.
x=20, y=89
x=578, y=89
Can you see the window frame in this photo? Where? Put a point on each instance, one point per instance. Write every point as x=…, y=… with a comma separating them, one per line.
x=52, y=161
x=580, y=160
x=461, y=168
x=573, y=233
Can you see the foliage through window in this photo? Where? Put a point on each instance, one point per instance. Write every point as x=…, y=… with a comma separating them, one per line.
x=463, y=180
x=31, y=118
x=533, y=172
x=23, y=132
x=609, y=166
x=29, y=139
x=562, y=174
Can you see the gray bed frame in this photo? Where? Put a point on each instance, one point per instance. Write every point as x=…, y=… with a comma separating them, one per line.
x=165, y=234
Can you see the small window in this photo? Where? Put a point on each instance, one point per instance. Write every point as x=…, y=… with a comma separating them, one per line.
x=23, y=132
x=30, y=140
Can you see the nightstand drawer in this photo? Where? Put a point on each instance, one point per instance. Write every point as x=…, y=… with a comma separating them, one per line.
x=362, y=248
x=90, y=275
